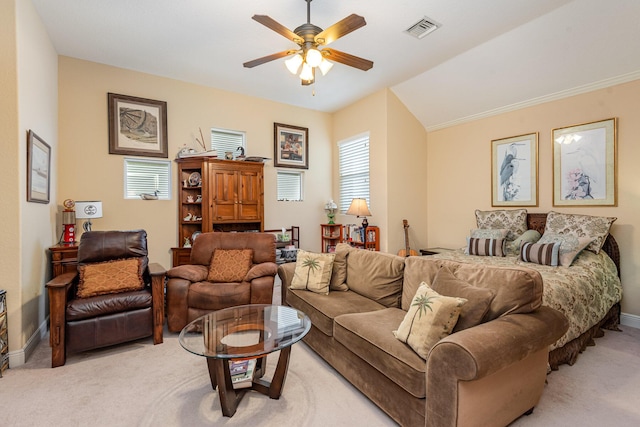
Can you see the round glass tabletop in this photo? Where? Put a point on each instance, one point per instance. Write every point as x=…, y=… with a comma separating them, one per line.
x=245, y=331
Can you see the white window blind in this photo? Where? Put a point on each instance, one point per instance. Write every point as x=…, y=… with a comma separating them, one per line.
x=353, y=156
x=147, y=176
x=289, y=186
x=223, y=140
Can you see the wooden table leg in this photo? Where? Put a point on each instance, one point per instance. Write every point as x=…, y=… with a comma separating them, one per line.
x=212, y=372
x=273, y=389
x=229, y=397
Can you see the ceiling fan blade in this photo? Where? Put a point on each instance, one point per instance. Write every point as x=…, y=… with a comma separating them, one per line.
x=347, y=59
x=341, y=28
x=277, y=27
x=260, y=61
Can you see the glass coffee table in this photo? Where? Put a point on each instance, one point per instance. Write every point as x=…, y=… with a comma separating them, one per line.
x=241, y=333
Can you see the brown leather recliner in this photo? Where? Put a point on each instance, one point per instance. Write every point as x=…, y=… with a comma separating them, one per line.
x=108, y=313
x=190, y=295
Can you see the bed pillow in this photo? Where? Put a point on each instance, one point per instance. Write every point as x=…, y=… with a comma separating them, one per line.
x=430, y=318
x=478, y=299
x=540, y=253
x=313, y=272
x=110, y=277
x=485, y=247
x=230, y=265
x=594, y=227
x=514, y=220
x=529, y=236
x=570, y=246
x=489, y=233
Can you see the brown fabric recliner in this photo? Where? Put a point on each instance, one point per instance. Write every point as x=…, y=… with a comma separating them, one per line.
x=190, y=295
x=80, y=324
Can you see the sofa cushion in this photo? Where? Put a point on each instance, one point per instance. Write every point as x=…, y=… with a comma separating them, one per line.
x=322, y=309
x=376, y=275
x=102, y=305
x=339, y=272
x=101, y=278
x=215, y=296
x=229, y=265
x=370, y=337
x=313, y=272
x=478, y=299
x=430, y=318
x=518, y=289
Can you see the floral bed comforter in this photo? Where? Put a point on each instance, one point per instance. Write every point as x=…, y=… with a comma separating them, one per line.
x=584, y=292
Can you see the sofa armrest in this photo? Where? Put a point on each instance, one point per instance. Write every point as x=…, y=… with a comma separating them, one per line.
x=482, y=350
x=261, y=270
x=285, y=272
x=191, y=272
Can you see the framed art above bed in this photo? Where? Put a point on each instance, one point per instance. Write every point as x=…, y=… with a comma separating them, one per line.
x=514, y=171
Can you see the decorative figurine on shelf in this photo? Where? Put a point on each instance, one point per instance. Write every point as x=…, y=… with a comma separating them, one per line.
x=330, y=208
x=187, y=243
x=189, y=198
x=199, y=198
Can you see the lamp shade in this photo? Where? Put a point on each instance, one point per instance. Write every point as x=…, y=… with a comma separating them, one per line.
x=359, y=208
x=91, y=209
x=293, y=63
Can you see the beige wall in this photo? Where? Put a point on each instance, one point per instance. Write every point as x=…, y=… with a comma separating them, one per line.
x=88, y=172
x=459, y=177
x=397, y=166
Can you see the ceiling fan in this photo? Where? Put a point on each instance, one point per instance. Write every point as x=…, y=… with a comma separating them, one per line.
x=311, y=41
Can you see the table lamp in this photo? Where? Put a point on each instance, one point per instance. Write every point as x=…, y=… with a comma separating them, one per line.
x=88, y=210
x=359, y=208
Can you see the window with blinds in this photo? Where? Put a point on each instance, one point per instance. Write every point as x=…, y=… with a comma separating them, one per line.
x=353, y=157
x=223, y=140
x=147, y=176
x=289, y=186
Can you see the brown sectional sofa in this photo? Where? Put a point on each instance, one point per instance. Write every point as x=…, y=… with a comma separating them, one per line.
x=486, y=375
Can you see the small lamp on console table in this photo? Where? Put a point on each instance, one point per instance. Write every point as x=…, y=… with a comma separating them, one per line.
x=359, y=209
x=88, y=211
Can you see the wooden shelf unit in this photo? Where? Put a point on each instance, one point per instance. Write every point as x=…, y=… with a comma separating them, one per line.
x=372, y=239
x=330, y=236
x=231, y=199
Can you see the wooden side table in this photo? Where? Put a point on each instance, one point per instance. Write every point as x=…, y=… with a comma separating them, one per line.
x=64, y=258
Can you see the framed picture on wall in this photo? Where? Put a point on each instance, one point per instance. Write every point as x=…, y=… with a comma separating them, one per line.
x=584, y=164
x=291, y=146
x=38, y=169
x=514, y=171
x=137, y=126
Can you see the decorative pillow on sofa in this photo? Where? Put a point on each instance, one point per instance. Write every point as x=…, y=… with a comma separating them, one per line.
x=339, y=273
x=313, y=272
x=594, y=227
x=529, y=236
x=570, y=246
x=514, y=220
x=376, y=275
x=541, y=253
x=478, y=299
x=485, y=247
x=230, y=265
x=110, y=277
x=430, y=318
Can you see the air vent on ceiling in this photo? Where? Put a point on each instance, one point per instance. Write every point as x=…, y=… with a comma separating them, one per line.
x=422, y=28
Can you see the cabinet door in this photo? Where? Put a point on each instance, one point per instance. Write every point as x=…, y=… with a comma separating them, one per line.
x=224, y=195
x=250, y=192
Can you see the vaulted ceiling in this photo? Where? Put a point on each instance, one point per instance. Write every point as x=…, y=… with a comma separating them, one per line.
x=486, y=56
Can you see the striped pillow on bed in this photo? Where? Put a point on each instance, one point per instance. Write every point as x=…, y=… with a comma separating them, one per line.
x=541, y=253
x=486, y=247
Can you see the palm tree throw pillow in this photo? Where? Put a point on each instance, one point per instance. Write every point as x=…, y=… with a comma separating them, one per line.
x=313, y=272
x=430, y=318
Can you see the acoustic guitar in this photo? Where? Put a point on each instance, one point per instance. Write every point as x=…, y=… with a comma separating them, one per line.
x=407, y=251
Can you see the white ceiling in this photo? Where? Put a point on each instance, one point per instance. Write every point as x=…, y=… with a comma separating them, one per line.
x=487, y=56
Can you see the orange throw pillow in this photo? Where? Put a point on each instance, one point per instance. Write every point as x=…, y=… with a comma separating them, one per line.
x=110, y=277
x=230, y=265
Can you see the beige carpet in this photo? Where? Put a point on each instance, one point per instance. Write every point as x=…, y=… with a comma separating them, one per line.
x=140, y=384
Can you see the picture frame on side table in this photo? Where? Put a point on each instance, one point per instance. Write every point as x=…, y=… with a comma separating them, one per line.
x=137, y=126
x=38, y=169
x=291, y=146
x=514, y=171
x=585, y=164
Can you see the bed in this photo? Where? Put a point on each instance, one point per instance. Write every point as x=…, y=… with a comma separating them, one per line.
x=588, y=292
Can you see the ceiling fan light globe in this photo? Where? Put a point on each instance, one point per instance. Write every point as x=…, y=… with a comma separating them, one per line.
x=313, y=57
x=325, y=66
x=293, y=63
x=307, y=72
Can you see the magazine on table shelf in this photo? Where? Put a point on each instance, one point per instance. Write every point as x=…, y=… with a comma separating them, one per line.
x=242, y=372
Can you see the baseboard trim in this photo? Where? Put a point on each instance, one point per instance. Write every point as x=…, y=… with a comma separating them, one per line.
x=630, y=320
x=20, y=357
